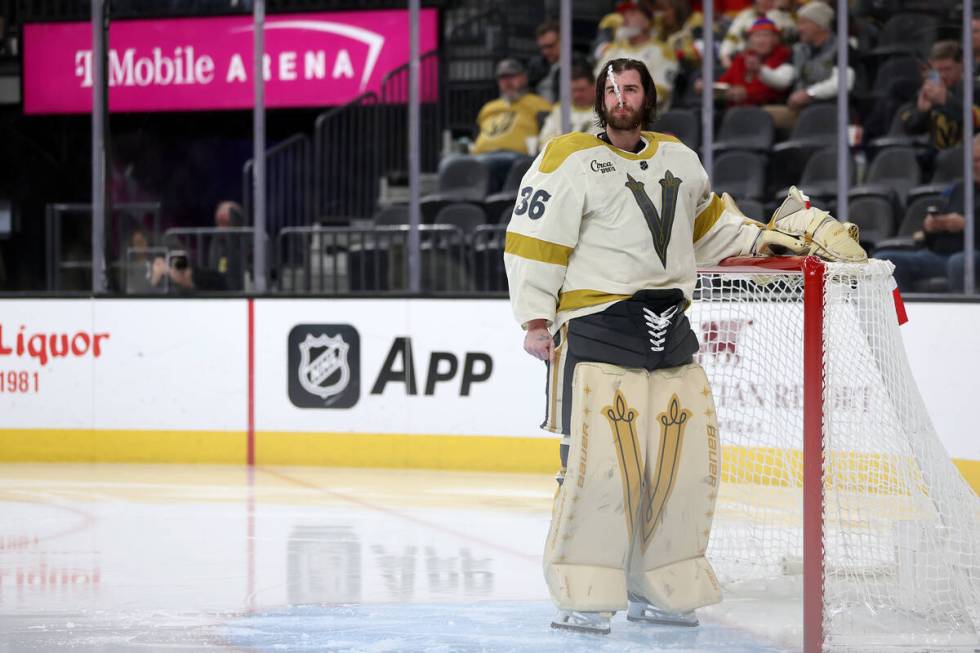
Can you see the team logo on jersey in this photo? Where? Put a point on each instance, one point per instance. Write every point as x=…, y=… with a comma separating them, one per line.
x=602, y=166
x=324, y=366
x=660, y=225
x=500, y=124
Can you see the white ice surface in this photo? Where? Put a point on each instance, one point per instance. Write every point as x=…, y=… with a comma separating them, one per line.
x=147, y=558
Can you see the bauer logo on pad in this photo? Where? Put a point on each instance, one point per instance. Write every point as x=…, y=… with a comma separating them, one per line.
x=324, y=366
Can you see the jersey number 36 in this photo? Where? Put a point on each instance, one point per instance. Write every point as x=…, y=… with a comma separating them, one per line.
x=532, y=203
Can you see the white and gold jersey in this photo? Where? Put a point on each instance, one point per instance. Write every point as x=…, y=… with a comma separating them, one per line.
x=594, y=224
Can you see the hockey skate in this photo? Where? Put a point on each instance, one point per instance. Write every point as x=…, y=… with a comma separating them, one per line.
x=584, y=622
x=640, y=610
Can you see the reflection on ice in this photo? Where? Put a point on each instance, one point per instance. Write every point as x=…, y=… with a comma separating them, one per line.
x=491, y=626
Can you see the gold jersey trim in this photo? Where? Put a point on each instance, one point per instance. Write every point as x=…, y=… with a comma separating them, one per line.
x=536, y=250
x=708, y=217
x=574, y=299
x=564, y=146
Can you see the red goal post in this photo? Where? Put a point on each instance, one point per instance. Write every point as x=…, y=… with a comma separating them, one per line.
x=874, y=485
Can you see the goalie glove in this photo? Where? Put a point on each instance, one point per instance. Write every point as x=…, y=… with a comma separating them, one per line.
x=797, y=228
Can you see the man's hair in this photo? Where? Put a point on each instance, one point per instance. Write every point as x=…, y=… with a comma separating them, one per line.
x=582, y=72
x=649, y=89
x=946, y=50
x=545, y=27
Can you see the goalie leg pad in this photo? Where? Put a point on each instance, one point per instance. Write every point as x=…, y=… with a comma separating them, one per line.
x=668, y=567
x=588, y=544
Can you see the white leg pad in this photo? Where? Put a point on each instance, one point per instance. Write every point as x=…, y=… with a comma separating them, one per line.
x=634, y=511
x=682, y=474
x=588, y=545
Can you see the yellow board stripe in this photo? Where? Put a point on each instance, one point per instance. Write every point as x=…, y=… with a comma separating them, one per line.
x=122, y=445
x=708, y=217
x=458, y=452
x=536, y=250
x=573, y=299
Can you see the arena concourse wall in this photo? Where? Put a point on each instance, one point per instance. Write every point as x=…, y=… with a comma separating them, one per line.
x=423, y=383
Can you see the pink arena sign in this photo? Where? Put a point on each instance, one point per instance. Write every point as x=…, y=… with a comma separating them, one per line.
x=189, y=64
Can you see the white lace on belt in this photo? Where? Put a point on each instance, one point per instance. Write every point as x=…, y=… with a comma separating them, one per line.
x=658, y=324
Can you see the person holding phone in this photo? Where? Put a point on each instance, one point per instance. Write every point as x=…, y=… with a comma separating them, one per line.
x=938, y=107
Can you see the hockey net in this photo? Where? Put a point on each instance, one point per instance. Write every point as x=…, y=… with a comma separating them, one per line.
x=836, y=489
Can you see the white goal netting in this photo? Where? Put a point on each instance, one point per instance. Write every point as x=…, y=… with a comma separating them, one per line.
x=901, y=546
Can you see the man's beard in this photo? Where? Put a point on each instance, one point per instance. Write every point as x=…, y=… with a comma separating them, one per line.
x=625, y=121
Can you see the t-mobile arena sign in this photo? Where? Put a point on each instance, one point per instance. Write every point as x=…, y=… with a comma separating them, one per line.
x=188, y=64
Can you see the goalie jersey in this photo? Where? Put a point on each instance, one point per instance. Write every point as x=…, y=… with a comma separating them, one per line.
x=593, y=225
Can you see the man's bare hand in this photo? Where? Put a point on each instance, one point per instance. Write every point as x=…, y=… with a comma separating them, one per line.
x=538, y=341
x=952, y=222
x=799, y=99
x=736, y=94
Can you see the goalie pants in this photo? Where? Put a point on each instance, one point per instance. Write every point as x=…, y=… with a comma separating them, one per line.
x=641, y=466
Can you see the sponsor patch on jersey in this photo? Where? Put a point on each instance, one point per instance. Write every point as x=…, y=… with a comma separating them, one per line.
x=602, y=166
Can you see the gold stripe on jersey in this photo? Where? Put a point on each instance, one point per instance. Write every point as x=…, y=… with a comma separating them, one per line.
x=564, y=146
x=708, y=217
x=536, y=250
x=573, y=299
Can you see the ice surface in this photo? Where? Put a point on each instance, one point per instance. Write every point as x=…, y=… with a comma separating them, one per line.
x=159, y=558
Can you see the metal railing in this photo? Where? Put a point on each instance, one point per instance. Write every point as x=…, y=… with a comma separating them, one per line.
x=487, y=254
x=347, y=147
x=289, y=194
x=69, y=241
x=338, y=260
x=394, y=95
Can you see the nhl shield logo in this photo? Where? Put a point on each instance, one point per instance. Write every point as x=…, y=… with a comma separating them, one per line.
x=319, y=376
x=324, y=362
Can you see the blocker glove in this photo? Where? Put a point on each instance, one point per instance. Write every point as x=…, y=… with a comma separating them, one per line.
x=800, y=229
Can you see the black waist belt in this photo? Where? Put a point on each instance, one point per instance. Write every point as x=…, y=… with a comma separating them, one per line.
x=649, y=330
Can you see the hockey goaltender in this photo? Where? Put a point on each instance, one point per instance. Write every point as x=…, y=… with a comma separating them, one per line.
x=602, y=254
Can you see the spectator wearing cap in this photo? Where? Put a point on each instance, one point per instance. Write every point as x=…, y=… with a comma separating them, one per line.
x=510, y=124
x=635, y=41
x=745, y=79
x=939, y=106
x=735, y=38
x=813, y=77
x=583, y=118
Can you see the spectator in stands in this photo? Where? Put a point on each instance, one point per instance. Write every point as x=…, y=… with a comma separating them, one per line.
x=726, y=9
x=583, y=118
x=543, y=70
x=941, y=239
x=509, y=125
x=814, y=73
x=747, y=81
x=181, y=277
x=226, y=251
x=681, y=29
x=939, y=106
x=634, y=41
x=734, y=41
x=138, y=262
